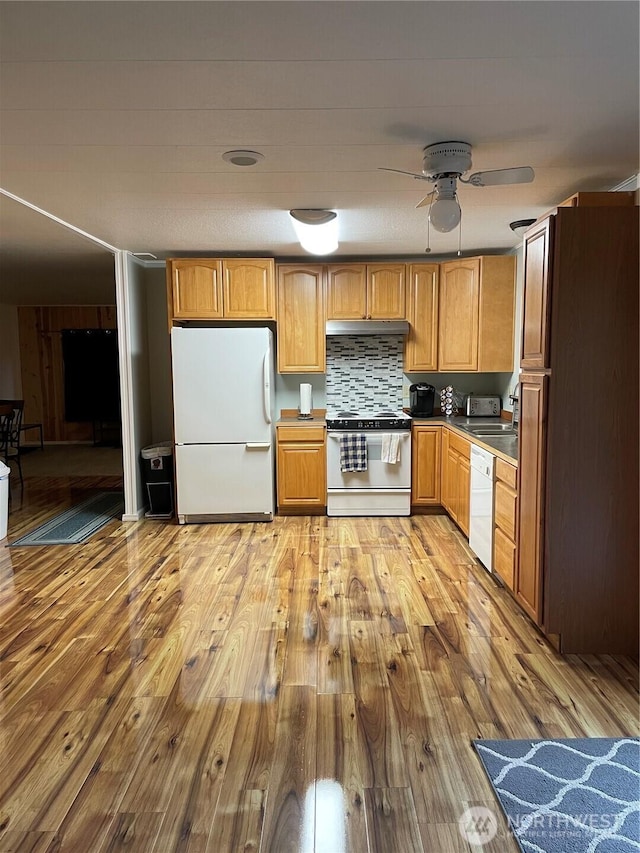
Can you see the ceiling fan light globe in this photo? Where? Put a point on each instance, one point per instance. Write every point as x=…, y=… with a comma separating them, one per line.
x=445, y=214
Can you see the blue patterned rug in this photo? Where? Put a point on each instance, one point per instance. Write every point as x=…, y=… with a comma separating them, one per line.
x=76, y=524
x=568, y=796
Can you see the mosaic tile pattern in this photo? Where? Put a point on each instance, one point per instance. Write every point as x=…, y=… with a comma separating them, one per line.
x=364, y=373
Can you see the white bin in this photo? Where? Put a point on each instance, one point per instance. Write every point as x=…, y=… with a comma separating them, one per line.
x=4, y=500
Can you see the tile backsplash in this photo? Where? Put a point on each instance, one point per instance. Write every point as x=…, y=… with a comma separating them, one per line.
x=364, y=373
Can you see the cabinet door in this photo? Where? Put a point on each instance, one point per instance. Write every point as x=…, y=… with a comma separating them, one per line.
x=385, y=292
x=249, y=290
x=302, y=478
x=538, y=248
x=463, y=493
x=421, y=345
x=347, y=292
x=446, y=479
x=301, y=333
x=425, y=479
x=458, y=308
x=196, y=288
x=531, y=485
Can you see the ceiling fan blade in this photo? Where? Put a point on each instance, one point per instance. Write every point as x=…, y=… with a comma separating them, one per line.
x=495, y=177
x=401, y=172
x=426, y=200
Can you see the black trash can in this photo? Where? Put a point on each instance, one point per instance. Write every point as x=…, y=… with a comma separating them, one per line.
x=157, y=472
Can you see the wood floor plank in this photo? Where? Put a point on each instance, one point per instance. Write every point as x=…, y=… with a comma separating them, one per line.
x=392, y=822
x=261, y=686
x=289, y=818
x=343, y=760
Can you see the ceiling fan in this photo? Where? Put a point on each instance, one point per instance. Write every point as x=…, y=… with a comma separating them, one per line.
x=443, y=164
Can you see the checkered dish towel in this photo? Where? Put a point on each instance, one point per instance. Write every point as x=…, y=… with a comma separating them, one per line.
x=353, y=452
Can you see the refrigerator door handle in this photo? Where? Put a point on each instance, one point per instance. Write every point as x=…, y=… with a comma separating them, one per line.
x=258, y=445
x=266, y=385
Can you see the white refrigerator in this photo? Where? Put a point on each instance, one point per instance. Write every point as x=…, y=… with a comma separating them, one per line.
x=223, y=424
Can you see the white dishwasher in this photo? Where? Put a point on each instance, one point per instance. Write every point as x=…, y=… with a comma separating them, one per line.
x=481, y=505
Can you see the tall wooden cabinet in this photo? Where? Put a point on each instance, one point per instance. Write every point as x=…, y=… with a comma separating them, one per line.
x=301, y=333
x=579, y=449
x=421, y=344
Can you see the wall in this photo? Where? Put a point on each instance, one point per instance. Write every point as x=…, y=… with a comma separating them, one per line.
x=134, y=376
x=42, y=369
x=10, y=378
x=159, y=353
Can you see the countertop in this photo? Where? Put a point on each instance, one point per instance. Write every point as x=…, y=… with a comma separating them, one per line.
x=504, y=446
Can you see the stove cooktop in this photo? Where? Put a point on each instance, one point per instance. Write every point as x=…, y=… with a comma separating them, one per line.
x=382, y=420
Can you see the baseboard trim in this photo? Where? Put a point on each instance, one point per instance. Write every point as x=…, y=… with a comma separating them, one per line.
x=133, y=516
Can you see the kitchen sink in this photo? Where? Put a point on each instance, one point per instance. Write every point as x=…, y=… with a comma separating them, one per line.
x=497, y=429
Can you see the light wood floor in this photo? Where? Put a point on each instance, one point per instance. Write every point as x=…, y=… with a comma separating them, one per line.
x=310, y=684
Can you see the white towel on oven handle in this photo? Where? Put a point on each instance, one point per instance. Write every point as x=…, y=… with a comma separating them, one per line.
x=390, y=448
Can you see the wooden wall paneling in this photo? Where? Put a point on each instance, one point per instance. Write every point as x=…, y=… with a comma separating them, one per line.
x=29, y=336
x=42, y=365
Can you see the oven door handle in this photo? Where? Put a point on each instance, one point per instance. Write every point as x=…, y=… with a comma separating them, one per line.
x=371, y=435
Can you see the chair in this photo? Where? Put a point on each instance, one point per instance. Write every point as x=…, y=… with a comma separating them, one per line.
x=23, y=426
x=10, y=433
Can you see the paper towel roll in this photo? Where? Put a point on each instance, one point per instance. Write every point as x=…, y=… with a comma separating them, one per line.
x=305, y=398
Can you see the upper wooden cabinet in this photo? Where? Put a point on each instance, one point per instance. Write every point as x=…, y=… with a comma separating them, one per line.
x=195, y=288
x=221, y=288
x=301, y=333
x=538, y=248
x=249, y=288
x=421, y=344
x=476, y=314
x=365, y=292
x=459, y=305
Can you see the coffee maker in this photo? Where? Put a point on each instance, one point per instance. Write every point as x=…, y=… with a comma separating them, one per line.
x=421, y=398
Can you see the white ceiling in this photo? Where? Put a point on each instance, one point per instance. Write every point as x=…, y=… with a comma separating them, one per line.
x=115, y=116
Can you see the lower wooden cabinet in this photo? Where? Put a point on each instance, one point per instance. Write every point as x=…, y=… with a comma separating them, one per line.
x=532, y=440
x=456, y=478
x=301, y=470
x=505, y=516
x=425, y=466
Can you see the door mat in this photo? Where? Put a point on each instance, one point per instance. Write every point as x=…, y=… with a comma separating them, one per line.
x=566, y=796
x=76, y=524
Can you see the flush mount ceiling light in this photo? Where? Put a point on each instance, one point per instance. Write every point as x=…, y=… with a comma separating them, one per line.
x=316, y=230
x=521, y=225
x=242, y=158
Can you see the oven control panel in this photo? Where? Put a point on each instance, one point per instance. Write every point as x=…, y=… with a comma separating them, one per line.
x=366, y=424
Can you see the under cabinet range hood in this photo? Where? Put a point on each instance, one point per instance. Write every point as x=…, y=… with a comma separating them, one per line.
x=367, y=327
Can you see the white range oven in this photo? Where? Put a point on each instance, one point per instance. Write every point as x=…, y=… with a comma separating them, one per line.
x=384, y=487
